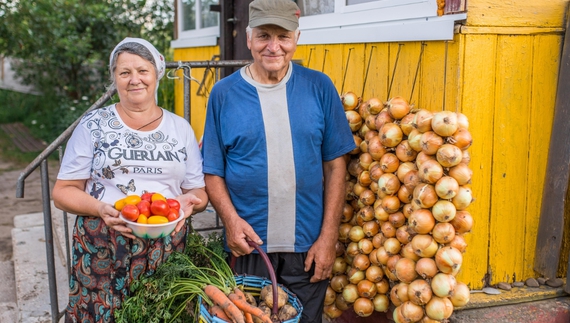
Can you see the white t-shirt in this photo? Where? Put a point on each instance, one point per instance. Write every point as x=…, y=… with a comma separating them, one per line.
x=118, y=161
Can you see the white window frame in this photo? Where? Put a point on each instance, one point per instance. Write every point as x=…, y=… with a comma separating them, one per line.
x=196, y=37
x=377, y=21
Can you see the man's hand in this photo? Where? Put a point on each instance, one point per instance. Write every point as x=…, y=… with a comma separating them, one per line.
x=323, y=254
x=238, y=232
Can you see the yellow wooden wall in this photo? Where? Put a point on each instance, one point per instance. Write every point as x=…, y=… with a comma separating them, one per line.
x=501, y=71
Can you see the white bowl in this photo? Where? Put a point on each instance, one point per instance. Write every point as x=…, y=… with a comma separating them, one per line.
x=152, y=231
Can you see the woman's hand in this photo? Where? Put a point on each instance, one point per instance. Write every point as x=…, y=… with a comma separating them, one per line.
x=191, y=202
x=111, y=217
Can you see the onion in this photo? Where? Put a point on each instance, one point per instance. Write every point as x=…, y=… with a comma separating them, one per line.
x=391, y=204
x=403, y=235
x=404, y=168
x=343, y=230
x=463, y=198
x=424, y=195
x=411, y=179
x=389, y=183
x=356, y=233
x=382, y=118
x=405, y=270
x=419, y=292
x=466, y=157
x=350, y=293
x=389, y=274
x=354, y=120
x=338, y=282
x=443, y=211
x=348, y=190
x=380, y=214
x=341, y=303
x=339, y=248
x=375, y=171
x=387, y=229
x=378, y=239
x=407, y=124
x=361, y=262
x=339, y=266
x=371, y=133
x=394, y=294
x=383, y=286
x=370, y=228
x=357, y=189
x=405, y=152
x=462, y=174
x=443, y=233
x=365, y=246
x=363, y=130
x=461, y=295
x=431, y=142
x=331, y=311
x=442, y=284
x=421, y=221
x=347, y=213
x=374, y=273
x=397, y=219
x=375, y=105
x=402, y=292
x=461, y=138
x=354, y=276
x=370, y=122
x=446, y=187
x=390, y=134
x=426, y=268
x=449, y=155
x=366, y=288
x=405, y=194
x=424, y=245
x=392, y=246
x=330, y=296
x=363, y=307
x=423, y=157
x=398, y=107
x=354, y=168
x=391, y=265
x=462, y=121
x=375, y=148
x=448, y=260
x=382, y=255
x=422, y=120
x=367, y=197
x=430, y=171
x=363, y=144
x=407, y=251
x=363, y=110
x=381, y=303
x=397, y=315
x=349, y=100
x=389, y=163
x=444, y=123
x=352, y=249
x=439, y=308
x=458, y=242
x=407, y=209
x=365, y=159
x=411, y=312
x=414, y=139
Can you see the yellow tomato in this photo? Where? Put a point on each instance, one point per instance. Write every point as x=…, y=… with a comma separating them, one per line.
x=157, y=196
x=157, y=219
x=142, y=219
x=119, y=204
x=132, y=199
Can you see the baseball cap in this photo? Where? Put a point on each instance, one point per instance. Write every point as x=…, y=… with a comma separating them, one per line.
x=283, y=13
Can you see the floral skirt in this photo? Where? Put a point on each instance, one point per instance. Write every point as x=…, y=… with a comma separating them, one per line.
x=104, y=263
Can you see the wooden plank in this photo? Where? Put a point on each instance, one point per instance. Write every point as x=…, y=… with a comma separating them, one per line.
x=22, y=138
x=551, y=225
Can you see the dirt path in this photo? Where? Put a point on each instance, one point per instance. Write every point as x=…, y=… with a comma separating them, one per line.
x=11, y=206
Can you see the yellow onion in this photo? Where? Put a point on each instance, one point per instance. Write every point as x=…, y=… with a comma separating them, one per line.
x=403, y=235
x=370, y=122
x=331, y=311
x=443, y=211
x=405, y=270
x=367, y=197
x=405, y=194
x=330, y=296
x=411, y=312
x=421, y=221
x=463, y=198
x=381, y=303
x=365, y=246
x=411, y=179
x=356, y=233
x=339, y=248
x=350, y=293
x=389, y=163
x=448, y=260
x=424, y=245
x=439, y=308
x=404, y=151
x=365, y=159
x=426, y=268
x=458, y=242
x=375, y=171
x=382, y=255
x=358, y=189
x=446, y=187
x=398, y=107
x=375, y=106
x=380, y=214
x=343, y=230
x=442, y=284
x=374, y=273
x=462, y=174
x=424, y=195
x=382, y=118
x=363, y=145
x=449, y=155
x=390, y=134
x=430, y=171
x=389, y=183
x=391, y=204
x=422, y=158
x=383, y=286
x=354, y=168
x=397, y=219
x=431, y=142
x=407, y=210
x=466, y=157
x=461, y=138
x=339, y=266
x=354, y=120
x=407, y=251
x=378, y=239
x=388, y=230
x=404, y=168
x=363, y=130
x=363, y=307
x=347, y=213
x=363, y=110
x=361, y=261
x=399, y=290
x=414, y=139
x=419, y=292
x=354, y=275
x=348, y=190
x=397, y=316
x=370, y=228
x=352, y=249
x=390, y=273
x=426, y=319
x=366, y=288
x=422, y=120
x=375, y=148
x=349, y=100
x=461, y=295
x=443, y=232
x=407, y=124
x=462, y=121
x=444, y=123
x=364, y=178
x=392, y=246
x=341, y=303
x=338, y=282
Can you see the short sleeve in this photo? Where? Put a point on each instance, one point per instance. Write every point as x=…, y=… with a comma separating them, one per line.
x=78, y=157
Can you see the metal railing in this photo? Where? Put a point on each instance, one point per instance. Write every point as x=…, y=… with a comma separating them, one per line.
x=57, y=144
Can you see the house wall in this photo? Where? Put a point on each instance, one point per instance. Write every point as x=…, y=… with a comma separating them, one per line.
x=500, y=70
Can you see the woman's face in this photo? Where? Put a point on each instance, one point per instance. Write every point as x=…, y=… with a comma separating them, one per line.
x=135, y=79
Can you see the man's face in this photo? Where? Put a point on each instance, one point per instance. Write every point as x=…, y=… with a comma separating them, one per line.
x=272, y=47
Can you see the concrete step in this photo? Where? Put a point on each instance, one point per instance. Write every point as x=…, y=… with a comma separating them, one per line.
x=8, y=306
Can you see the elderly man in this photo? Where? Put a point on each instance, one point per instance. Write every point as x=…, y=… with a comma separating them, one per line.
x=274, y=146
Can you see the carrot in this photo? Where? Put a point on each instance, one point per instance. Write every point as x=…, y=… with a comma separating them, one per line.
x=243, y=305
x=248, y=317
x=219, y=313
x=222, y=300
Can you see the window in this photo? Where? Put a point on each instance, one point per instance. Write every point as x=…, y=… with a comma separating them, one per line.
x=348, y=21
x=197, y=25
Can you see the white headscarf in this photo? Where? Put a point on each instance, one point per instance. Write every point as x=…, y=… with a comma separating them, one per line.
x=158, y=58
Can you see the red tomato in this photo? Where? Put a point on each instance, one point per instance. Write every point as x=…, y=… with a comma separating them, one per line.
x=172, y=215
x=159, y=207
x=174, y=204
x=130, y=212
x=146, y=196
x=144, y=207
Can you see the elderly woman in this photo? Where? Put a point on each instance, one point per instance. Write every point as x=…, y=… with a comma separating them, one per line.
x=122, y=149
